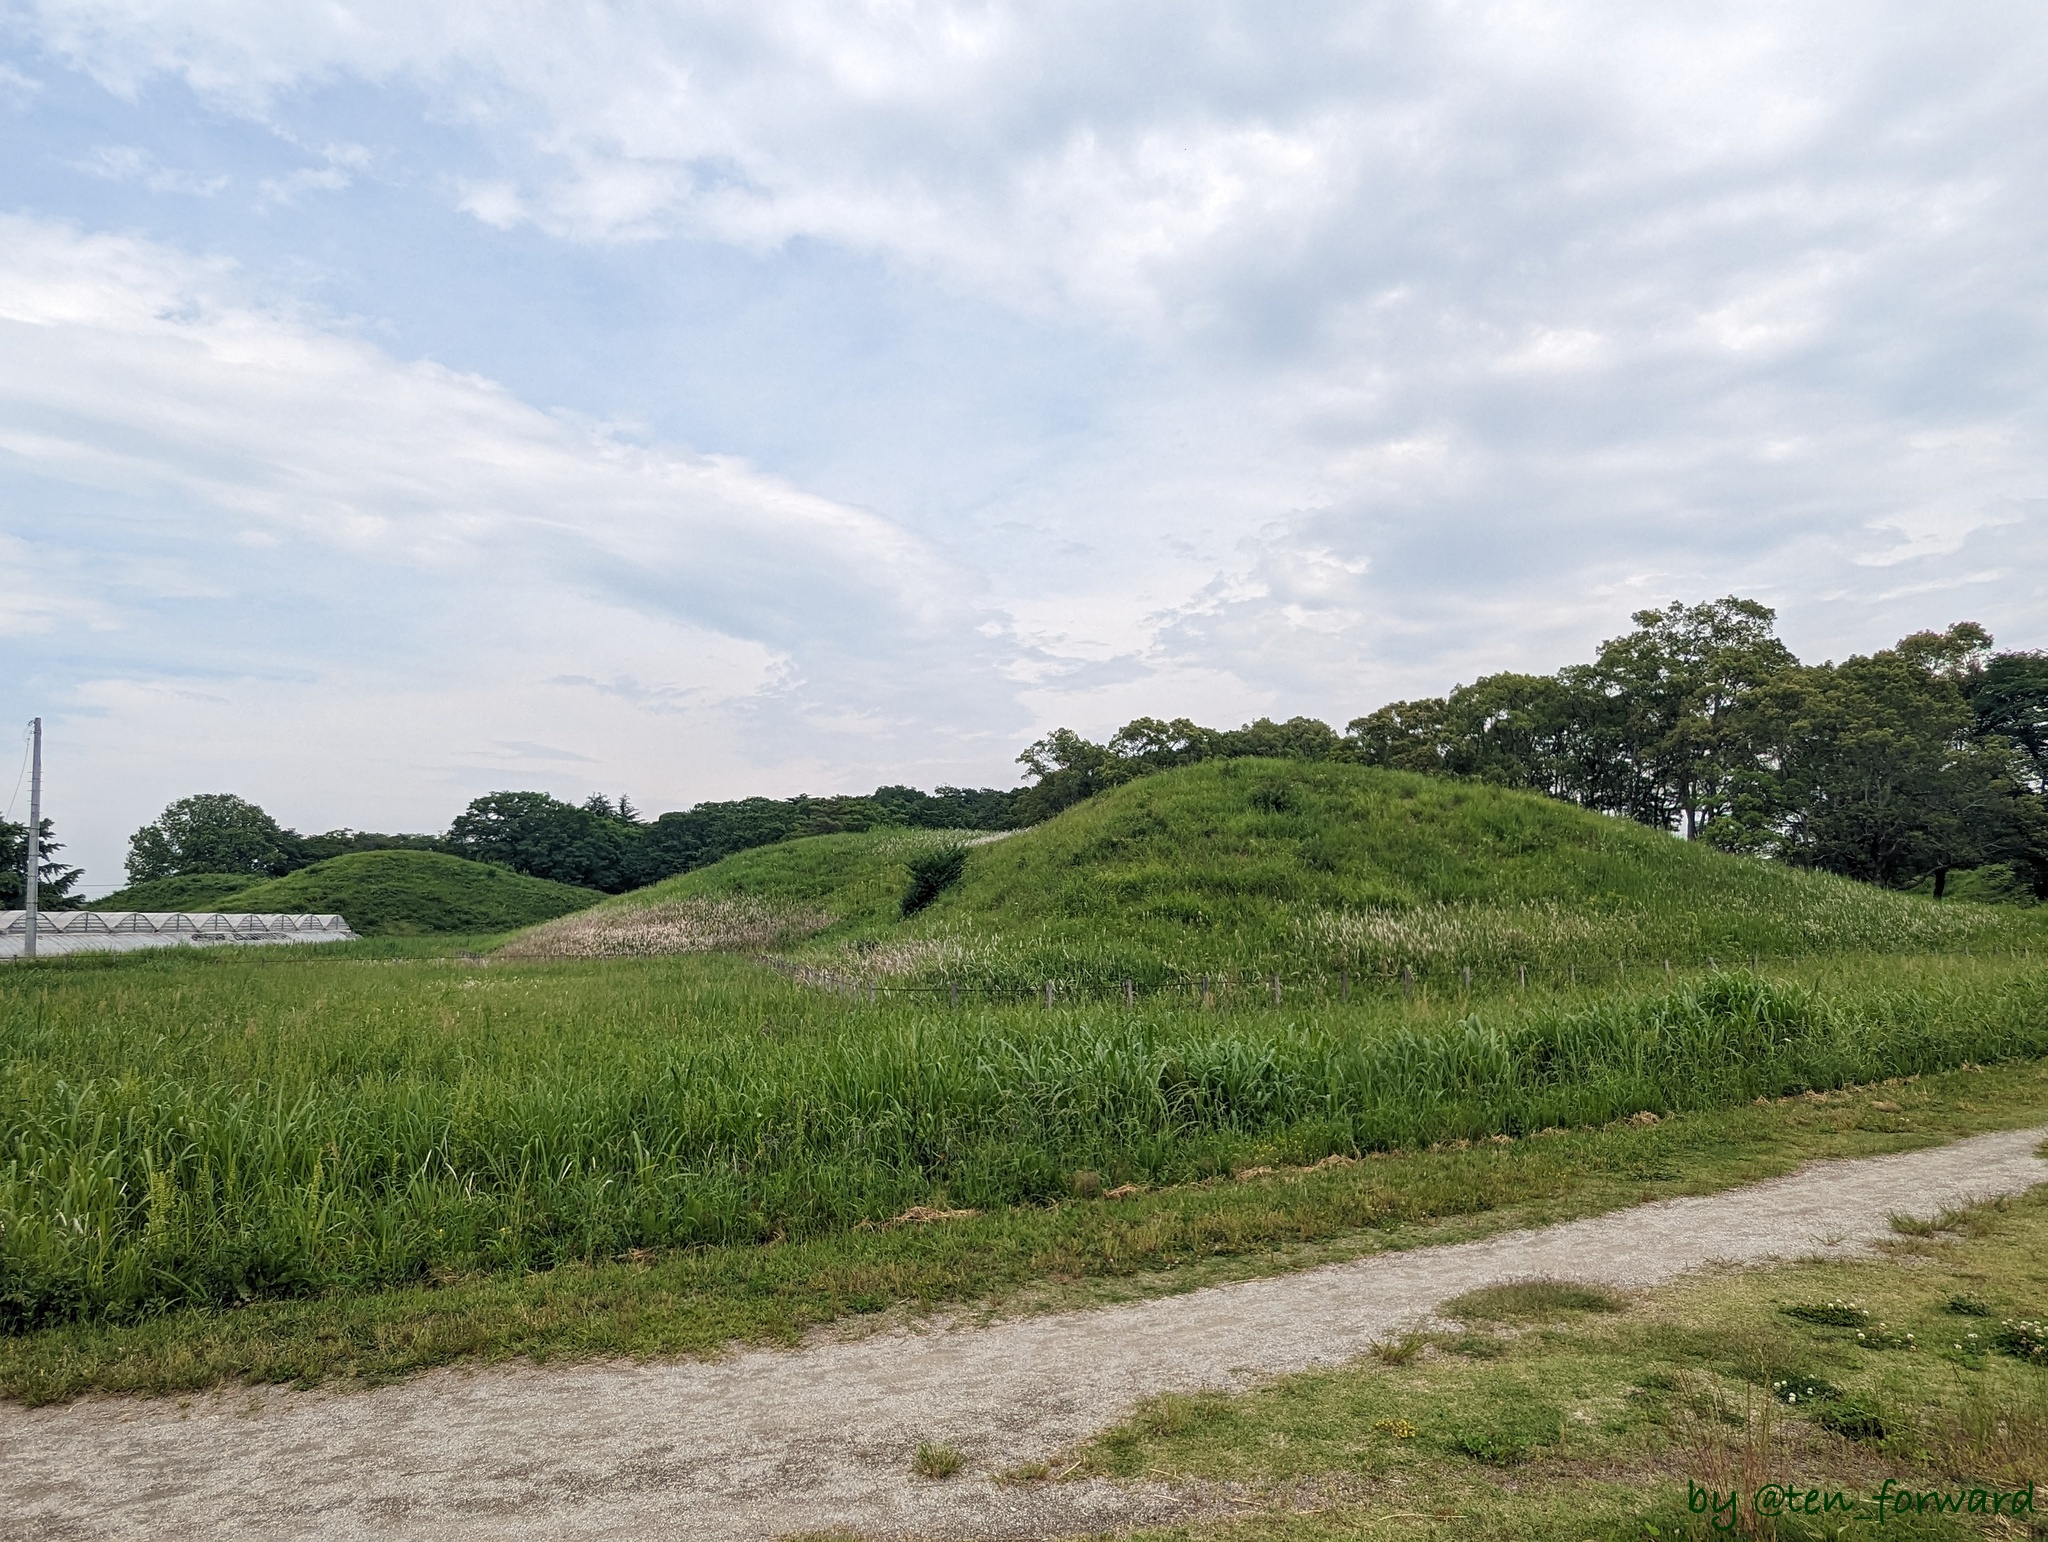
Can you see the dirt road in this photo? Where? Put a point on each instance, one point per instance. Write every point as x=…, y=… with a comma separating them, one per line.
x=767, y=1443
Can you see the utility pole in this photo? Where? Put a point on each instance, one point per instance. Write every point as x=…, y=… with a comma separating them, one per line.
x=35, y=836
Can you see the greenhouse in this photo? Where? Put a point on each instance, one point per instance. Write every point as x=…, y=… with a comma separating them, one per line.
x=119, y=931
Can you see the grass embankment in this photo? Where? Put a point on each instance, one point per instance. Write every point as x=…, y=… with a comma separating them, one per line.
x=203, y=1130
x=1249, y=868
x=1022, y=1258
x=379, y=893
x=1570, y=1414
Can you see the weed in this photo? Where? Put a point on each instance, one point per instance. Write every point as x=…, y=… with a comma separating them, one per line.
x=1829, y=1314
x=1510, y=1435
x=2025, y=1339
x=937, y=1460
x=1400, y=1429
x=1530, y=1301
x=1968, y=1306
x=1400, y=1351
x=1796, y=1389
x=1853, y=1418
x=932, y=871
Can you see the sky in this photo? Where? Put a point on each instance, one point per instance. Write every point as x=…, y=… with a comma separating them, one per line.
x=402, y=402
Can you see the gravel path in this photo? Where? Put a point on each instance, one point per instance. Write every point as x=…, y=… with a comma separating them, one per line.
x=766, y=1443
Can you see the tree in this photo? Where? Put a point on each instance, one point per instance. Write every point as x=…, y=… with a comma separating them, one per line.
x=543, y=837
x=1872, y=768
x=1069, y=769
x=1676, y=690
x=55, y=883
x=2009, y=699
x=213, y=832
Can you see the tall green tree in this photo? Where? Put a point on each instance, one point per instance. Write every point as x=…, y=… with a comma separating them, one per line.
x=1670, y=703
x=1872, y=767
x=543, y=837
x=213, y=832
x=56, y=883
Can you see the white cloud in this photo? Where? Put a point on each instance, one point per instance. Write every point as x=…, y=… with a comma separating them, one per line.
x=1454, y=332
x=437, y=561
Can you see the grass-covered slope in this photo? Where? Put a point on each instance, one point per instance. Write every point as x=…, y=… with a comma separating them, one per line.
x=1255, y=866
x=189, y=891
x=409, y=893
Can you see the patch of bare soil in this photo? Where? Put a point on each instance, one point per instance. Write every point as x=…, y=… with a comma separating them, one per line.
x=772, y=1443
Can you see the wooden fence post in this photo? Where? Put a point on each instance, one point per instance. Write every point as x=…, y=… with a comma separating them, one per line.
x=1276, y=990
x=1130, y=992
x=1048, y=995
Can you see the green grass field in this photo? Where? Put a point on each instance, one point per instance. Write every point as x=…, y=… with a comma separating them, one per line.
x=380, y=893
x=623, y=1131
x=1240, y=870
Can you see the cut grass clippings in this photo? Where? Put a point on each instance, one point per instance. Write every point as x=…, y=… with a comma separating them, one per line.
x=696, y=1301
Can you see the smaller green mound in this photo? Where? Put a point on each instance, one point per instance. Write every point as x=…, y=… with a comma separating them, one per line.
x=408, y=893
x=188, y=891
x=765, y=898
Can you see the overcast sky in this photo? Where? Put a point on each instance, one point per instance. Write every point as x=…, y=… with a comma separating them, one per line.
x=402, y=400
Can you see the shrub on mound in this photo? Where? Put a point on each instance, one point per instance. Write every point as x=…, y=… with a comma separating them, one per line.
x=407, y=893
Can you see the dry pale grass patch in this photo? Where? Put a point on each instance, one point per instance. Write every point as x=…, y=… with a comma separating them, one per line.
x=695, y=925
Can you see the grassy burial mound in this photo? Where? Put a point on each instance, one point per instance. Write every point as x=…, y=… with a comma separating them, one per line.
x=1255, y=867
x=398, y=893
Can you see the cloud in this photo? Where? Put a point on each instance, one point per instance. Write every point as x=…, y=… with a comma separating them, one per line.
x=436, y=557
x=1445, y=335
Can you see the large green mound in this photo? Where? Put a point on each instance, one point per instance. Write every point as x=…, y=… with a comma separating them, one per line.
x=1263, y=866
x=409, y=893
x=188, y=891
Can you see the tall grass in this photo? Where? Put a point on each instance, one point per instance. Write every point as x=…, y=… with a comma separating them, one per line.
x=205, y=1130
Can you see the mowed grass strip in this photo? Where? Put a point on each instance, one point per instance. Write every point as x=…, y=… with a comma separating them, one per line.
x=213, y=1130
x=1636, y=1417
x=1026, y=1258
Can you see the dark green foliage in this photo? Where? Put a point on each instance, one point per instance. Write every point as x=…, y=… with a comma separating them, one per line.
x=217, y=834
x=201, y=1128
x=2010, y=699
x=212, y=832
x=932, y=872
x=1968, y=1306
x=543, y=837
x=1853, y=1418
x=1894, y=768
x=1829, y=1314
x=409, y=893
x=56, y=884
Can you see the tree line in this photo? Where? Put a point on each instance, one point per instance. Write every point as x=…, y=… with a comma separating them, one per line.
x=600, y=843
x=1898, y=768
